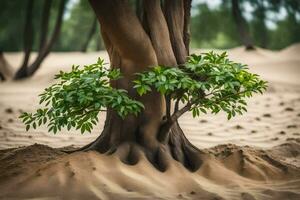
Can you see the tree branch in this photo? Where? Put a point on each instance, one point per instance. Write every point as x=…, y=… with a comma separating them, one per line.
x=176, y=105
x=180, y=112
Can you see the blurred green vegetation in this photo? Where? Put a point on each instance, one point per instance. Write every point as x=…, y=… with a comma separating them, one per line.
x=211, y=26
x=215, y=27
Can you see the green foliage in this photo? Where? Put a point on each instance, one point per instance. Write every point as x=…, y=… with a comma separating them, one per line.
x=77, y=99
x=76, y=28
x=206, y=83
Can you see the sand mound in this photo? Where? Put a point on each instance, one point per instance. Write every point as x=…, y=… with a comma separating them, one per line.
x=257, y=164
x=228, y=172
x=293, y=50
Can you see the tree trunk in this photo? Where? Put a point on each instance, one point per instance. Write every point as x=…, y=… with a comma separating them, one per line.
x=6, y=71
x=241, y=26
x=99, y=45
x=28, y=70
x=260, y=31
x=133, y=50
x=28, y=40
x=89, y=36
x=45, y=23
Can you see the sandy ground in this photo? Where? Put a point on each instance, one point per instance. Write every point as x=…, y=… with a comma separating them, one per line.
x=269, y=169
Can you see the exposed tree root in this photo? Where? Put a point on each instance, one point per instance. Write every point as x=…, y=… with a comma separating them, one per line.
x=130, y=152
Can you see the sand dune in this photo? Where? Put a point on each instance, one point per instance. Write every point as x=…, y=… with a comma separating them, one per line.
x=227, y=172
x=268, y=169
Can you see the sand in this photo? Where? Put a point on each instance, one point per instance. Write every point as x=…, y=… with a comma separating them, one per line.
x=254, y=156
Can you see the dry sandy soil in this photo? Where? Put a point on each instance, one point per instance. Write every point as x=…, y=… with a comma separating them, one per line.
x=255, y=156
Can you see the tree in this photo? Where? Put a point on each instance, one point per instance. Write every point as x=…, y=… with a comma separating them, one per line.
x=149, y=70
x=80, y=29
x=133, y=48
x=260, y=31
x=90, y=35
x=241, y=25
x=45, y=46
x=5, y=69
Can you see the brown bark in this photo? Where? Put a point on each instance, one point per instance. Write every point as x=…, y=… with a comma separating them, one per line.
x=133, y=50
x=241, y=26
x=174, y=13
x=186, y=27
x=159, y=33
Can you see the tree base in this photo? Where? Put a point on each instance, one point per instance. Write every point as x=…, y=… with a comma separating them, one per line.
x=250, y=48
x=175, y=147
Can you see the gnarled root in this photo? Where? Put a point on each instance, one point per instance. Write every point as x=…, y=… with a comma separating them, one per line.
x=177, y=147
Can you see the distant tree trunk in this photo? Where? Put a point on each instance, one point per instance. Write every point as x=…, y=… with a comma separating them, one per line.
x=132, y=50
x=241, y=25
x=294, y=26
x=28, y=40
x=45, y=23
x=99, y=44
x=90, y=35
x=260, y=30
x=264, y=30
x=6, y=71
x=139, y=9
x=29, y=70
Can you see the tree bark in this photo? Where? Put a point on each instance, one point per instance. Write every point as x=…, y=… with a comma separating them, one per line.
x=89, y=36
x=186, y=27
x=174, y=13
x=241, y=26
x=132, y=50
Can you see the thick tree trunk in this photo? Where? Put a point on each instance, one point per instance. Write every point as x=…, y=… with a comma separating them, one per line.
x=90, y=35
x=133, y=50
x=29, y=70
x=241, y=25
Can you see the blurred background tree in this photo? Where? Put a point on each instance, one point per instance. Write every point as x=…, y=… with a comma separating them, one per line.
x=272, y=24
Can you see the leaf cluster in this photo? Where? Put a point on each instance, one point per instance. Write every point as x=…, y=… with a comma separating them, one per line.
x=208, y=82
x=78, y=97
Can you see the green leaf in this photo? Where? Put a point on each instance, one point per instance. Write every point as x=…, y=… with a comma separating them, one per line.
x=229, y=116
x=34, y=125
x=203, y=110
